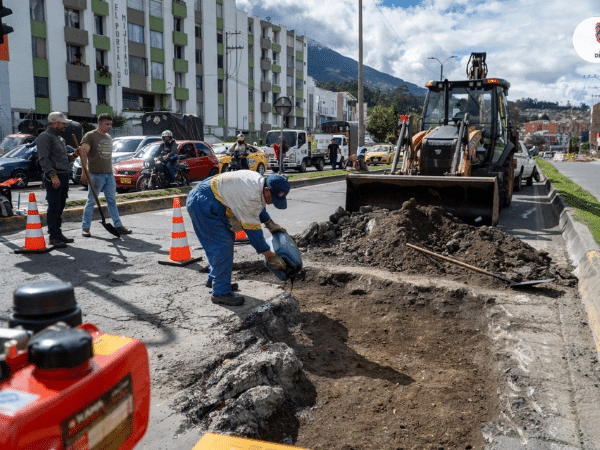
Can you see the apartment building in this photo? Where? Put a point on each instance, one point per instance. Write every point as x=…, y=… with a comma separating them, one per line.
x=86, y=57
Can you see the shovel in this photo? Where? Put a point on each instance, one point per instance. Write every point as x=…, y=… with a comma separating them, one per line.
x=107, y=226
x=512, y=284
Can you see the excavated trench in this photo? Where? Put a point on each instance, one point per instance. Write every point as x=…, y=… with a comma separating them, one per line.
x=377, y=346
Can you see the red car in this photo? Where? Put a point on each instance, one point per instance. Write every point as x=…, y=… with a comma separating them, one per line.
x=198, y=156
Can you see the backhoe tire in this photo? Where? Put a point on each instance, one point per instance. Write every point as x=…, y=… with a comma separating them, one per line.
x=507, y=183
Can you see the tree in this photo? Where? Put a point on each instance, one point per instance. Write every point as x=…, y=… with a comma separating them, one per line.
x=382, y=122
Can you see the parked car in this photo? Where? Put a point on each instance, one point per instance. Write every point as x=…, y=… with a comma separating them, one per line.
x=547, y=155
x=22, y=162
x=525, y=168
x=198, y=156
x=12, y=140
x=257, y=159
x=379, y=154
x=123, y=148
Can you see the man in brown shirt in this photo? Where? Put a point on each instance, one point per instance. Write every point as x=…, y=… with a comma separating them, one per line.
x=96, y=155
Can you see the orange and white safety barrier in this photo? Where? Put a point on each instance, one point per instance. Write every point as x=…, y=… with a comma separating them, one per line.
x=180, y=254
x=34, y=236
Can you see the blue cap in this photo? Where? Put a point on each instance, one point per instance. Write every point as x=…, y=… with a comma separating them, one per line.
x=279, y=187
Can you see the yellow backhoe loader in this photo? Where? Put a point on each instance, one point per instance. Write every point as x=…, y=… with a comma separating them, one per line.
x=462, y=157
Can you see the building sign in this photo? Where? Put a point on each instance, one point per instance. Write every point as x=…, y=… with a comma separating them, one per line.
x=121, y=54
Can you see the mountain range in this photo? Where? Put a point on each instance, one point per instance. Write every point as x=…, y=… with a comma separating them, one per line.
x=325, y=64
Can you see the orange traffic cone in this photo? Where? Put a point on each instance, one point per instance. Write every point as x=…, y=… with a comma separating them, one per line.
x=34, y=236
x=179, y=255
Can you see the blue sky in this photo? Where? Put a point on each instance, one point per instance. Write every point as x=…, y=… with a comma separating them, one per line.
x=528, y=42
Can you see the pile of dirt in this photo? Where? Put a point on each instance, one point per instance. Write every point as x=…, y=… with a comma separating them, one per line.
x=377, y=237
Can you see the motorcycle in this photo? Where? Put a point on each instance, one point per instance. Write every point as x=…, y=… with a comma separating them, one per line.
x=154, y=175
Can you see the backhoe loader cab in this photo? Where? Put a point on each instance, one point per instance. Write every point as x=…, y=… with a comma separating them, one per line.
x=462, y=157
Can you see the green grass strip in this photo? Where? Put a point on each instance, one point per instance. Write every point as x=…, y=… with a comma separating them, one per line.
x=585, y=205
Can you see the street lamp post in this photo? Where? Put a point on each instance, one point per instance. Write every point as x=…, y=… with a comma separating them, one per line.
x=442, y=65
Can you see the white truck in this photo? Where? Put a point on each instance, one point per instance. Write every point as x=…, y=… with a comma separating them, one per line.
x=525, y=168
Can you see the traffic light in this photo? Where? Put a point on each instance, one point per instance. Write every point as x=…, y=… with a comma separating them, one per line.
x=4, y=29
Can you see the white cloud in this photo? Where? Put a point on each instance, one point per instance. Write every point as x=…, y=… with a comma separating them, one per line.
x=528, y=42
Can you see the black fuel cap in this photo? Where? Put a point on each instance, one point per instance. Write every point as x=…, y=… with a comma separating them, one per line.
x=58, y=347
x=43, y=298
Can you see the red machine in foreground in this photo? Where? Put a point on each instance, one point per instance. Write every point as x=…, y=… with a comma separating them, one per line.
x=66, y=388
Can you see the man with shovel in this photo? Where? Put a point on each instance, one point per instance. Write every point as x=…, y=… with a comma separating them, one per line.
x=96, y=155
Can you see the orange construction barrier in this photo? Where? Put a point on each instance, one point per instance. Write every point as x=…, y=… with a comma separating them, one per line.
x=34, y=236
x=211, y=441
x=179, y=255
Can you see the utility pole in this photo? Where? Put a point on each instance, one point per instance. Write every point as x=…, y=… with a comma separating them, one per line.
x=361, y=118
x=236, y=48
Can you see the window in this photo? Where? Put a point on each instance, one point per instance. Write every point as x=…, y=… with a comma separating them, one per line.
x=251, y=73
x=290, y=60
x=250, y=51
x=276, y=36
x=98, y=25
x=250, y=25
x=40, y=85
x=178, y=52
x=221, y=111
x=156, y=8
x=299, y=64
x=158, y=70
x=202, y=149
x=136, y=4
x=180, y=106
x=71, y=18
x=298, y=45
x=264, y=54
x=290, y=41
x=263, y=97
x=131, y=101
x=177, y=24
x=74, y=55
x=198, y=56
x=199, y=82
x=200, y=109
x=156, y=39
x=219, y=10
x=275, y=78
x=100, y=59
x=275, y=54
x=198, y=31
x=265, y=33
x=136, y=33
x=36, y=11
x=179, y=79
x=220, y=61
x=75, y=90
x=138, y=66
x=220, y=86
x=198, y=5
x=38, y=47
x=274, y=97
x=101, y=94
x=263, y=76
x=298, y=84
x=250, y=95
x=219, y=36
x=289, y=81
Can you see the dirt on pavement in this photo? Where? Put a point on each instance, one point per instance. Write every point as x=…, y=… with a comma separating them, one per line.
x=356, y=360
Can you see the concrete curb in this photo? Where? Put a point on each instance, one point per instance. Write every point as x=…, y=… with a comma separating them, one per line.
x=585, y=255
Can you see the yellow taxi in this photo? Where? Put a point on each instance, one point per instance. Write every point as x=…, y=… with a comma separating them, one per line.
x=379, y=154
x=257, y=160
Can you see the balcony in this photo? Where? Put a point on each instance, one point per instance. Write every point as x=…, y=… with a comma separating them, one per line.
x=80, y=107
x=78, y=73
x=265, y=86
x=265, y=64
x=265, y=107
x=265, y=43
x=76, y=36
x=75, y=4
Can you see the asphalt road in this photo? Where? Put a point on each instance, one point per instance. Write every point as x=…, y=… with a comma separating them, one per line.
x=121, y=289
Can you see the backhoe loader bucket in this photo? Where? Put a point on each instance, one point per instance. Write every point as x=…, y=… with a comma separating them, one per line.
x=474, y=200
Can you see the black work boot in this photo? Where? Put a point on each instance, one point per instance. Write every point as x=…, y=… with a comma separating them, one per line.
x=228, y=299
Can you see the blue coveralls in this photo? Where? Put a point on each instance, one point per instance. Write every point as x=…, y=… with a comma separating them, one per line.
x=209, y=218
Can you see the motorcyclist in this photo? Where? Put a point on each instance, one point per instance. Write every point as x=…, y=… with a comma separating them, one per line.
x=168, y=153
x=240, y=151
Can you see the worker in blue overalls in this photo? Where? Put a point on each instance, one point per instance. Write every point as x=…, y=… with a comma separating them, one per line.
x=224, y=204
